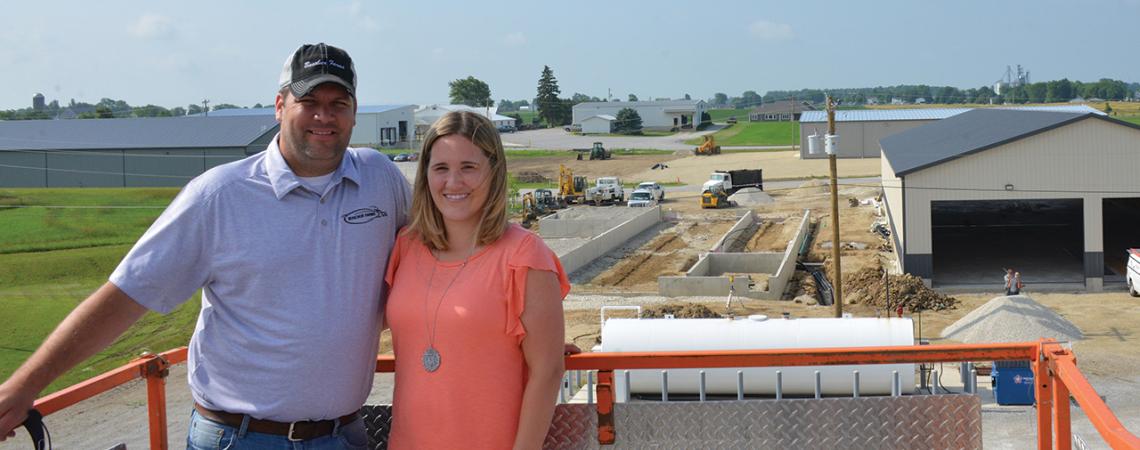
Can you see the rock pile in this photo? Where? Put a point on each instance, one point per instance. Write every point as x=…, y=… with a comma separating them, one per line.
x=1014, y=318
x=680, y=311
x=751, y=197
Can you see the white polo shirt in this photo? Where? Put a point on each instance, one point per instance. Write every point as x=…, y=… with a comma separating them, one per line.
x=292, y=281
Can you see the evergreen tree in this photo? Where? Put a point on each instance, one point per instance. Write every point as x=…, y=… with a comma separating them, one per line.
x=628, y=122
x=548, y=104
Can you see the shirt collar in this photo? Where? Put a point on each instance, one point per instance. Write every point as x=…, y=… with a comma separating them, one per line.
x=283, y=180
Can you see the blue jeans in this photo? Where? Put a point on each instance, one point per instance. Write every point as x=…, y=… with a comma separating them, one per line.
x=205, y=434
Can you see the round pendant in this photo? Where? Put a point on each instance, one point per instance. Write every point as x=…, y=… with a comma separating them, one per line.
x=431, y=359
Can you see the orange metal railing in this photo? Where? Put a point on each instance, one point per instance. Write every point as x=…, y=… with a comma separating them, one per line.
x=1055, y=372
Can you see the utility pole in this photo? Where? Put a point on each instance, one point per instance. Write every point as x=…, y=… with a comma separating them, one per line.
x=206, y=108
x=837, y=283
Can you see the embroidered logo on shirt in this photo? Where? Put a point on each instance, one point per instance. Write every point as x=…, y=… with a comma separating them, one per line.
x=364, y=215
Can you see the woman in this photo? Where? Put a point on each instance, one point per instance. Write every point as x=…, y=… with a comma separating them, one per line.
x=475, y=304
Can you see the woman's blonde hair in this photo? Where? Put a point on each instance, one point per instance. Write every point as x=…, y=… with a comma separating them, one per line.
x=426, y=220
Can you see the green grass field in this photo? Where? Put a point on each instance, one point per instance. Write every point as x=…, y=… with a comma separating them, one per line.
x=59, y=245
x=755, y=133
x=721, y=115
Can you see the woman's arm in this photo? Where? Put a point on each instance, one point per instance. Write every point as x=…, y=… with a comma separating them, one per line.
x=543, y=349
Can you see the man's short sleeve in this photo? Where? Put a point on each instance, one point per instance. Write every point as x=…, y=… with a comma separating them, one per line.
x=166, y=266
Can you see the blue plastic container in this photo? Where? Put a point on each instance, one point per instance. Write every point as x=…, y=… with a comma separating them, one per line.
x=1013, y=383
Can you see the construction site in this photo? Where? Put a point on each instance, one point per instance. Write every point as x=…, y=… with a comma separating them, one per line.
x=716, y=327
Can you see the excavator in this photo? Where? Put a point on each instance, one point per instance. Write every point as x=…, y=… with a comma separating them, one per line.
x=571, y=189
x=538, y=203
x=709, y=147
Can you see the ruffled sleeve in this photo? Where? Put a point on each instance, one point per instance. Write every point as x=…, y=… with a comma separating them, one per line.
x=531, y=253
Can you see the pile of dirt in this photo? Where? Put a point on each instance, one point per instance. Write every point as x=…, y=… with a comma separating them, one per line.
x=680, y=311
x=866, y=286
x=530, y=177
x=1014, y=318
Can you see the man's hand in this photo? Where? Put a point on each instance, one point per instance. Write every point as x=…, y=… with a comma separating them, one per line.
x=14, y=406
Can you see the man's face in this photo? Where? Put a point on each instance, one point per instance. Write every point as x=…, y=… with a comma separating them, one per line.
x=316, y=128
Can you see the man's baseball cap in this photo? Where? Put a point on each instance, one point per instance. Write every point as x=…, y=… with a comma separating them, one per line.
x=314, y=64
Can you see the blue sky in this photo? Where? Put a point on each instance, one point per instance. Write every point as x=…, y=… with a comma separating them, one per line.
x=176, y=53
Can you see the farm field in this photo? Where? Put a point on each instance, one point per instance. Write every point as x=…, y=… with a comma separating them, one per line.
x=745, y=133
x=58, y=246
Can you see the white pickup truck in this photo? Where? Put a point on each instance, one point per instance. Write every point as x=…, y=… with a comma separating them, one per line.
x=606, y=190
x=1133, y=272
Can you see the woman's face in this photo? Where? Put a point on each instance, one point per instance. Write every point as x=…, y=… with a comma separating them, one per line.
x=458, y=179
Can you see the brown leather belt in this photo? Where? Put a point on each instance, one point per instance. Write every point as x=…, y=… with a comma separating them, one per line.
x=295, y=431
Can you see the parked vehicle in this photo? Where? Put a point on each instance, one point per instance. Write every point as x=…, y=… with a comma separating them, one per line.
x=414, y=156
x=596, y=152
x=401, y=157
x=642, y=197
x=654, y=188
x=735, y=180
x=573, y=128
x=507, y=129
x=606, y=190
x=731, y=120
x=1134, y=272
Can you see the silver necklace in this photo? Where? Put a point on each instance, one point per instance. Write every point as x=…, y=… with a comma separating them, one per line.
x=431, y=358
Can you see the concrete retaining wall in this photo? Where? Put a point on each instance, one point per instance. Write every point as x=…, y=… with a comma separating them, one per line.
x=706, y=277
x=745, y=221
x=579, y=257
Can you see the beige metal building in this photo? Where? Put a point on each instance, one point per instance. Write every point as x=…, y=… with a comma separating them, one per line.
x=860, y=130
x=1052, y=195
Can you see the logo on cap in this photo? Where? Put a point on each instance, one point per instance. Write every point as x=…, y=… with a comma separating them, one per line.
x=314, y=64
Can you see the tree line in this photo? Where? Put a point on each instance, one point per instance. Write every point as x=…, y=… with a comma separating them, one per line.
x=1054, y=91
x=106, y=109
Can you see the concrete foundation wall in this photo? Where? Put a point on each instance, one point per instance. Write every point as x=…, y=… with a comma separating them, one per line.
x=706, y=277
x=580, y=256
x=556, y=228
x=740, y=225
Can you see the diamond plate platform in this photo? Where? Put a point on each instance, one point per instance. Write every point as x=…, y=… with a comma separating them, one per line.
x=928, y=421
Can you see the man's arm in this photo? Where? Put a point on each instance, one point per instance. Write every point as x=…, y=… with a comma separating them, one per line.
x=91, y=327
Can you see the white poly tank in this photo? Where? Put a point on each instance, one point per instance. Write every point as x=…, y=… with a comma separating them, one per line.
x=760, y=333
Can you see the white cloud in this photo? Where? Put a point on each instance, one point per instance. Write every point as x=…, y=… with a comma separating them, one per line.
x=152, y=26
x=360, y=18
x=770, y=31
x=516, y=39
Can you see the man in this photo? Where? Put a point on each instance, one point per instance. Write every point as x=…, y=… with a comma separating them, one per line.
x=290, y=247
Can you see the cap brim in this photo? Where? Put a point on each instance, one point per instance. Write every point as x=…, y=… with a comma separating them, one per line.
x=303, y=87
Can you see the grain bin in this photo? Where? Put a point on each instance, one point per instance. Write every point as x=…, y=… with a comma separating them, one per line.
x=760, y=333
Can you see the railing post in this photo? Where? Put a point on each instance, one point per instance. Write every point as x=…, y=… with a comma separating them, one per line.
x=1061, y=417
x=1044, y=399
x=606, y=432
x=155, y=371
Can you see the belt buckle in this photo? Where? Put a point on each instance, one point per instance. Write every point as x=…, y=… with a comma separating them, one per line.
x=290, y=435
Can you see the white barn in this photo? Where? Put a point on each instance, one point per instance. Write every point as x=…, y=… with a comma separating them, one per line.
x=427, y=115
x=660, y=115
x=600, y=124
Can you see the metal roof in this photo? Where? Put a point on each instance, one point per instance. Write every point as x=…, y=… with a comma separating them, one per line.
x=971, y=132
x=871, y=115
x=135, y=133
x=682, y=103
x=233, y=112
